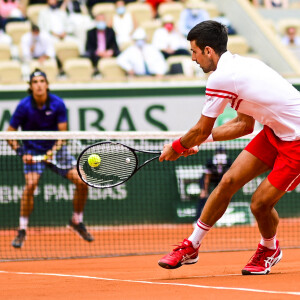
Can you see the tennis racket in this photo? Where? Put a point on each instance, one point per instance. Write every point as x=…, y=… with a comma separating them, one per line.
x=118, y=164
x=61, y=159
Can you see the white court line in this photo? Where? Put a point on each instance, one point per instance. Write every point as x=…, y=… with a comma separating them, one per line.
x=156, y=283
x=201, y=276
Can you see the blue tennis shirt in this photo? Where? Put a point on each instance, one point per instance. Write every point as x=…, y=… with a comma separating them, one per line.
x=30, y=118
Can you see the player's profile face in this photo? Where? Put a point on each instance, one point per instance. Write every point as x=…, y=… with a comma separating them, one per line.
x=203, y=59
x=39, y=86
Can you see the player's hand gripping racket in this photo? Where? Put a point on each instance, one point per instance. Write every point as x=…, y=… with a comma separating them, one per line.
x=61, y=159
x=108, y=164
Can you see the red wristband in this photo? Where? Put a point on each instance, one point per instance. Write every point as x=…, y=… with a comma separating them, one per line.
x=177, y=147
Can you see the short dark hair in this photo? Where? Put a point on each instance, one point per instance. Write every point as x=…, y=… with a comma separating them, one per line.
x=210, y=33
x=34, y=27
x=36, y=72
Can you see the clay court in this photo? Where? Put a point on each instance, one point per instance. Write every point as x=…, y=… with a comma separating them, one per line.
x=216, y=275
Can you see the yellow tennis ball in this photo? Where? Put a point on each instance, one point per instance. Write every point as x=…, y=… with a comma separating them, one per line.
x=94, y=160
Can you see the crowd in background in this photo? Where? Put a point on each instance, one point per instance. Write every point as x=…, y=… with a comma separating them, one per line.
x=98, y=37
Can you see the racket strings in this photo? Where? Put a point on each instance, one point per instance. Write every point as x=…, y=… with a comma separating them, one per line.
x=117, y=165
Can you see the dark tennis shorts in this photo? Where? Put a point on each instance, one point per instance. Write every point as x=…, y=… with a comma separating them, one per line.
x=283, y=158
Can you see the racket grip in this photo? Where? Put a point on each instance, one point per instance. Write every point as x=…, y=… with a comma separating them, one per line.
x=40, y=158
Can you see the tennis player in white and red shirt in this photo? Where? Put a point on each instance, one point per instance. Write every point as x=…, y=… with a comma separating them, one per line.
x=258, y=93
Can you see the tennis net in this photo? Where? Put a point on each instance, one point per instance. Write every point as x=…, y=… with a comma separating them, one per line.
x=148, y=214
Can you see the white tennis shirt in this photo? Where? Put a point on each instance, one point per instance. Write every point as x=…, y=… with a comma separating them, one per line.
x=254, y=89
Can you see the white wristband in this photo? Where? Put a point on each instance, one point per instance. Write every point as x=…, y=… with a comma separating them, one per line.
x=209, y=139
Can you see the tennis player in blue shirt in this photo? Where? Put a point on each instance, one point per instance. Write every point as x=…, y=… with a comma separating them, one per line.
x=43, y=111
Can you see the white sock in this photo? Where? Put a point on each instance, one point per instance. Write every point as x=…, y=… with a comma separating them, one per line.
x=269, y=243
x=199, y=233
x=23, y=222
x=77, y=217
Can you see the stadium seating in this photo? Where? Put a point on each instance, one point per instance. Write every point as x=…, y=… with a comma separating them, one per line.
x=33, y=11
x=210, y=7
x=170, y=8
x=140, y=12
x=5, y=52
x=108, y=9
x=184, y=61
x=237, y=44
x=10, y=72
x=110, y=70
x=66, y=50
x=16, y=30
x=78, y=69
x=150, y=26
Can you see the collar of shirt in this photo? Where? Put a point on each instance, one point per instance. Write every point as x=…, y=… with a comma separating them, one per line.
x=224, y=58
x=46, y=106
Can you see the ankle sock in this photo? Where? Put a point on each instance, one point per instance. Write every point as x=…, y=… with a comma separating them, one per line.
x=269, y=243
x=201, y=229
x=23, y=222
x=77, y=217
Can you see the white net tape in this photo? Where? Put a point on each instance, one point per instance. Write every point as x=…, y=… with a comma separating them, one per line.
x=46, y=135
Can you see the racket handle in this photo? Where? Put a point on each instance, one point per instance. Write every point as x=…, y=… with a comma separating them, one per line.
x=40, y=158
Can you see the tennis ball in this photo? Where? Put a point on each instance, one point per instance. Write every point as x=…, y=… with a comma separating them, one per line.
x=94, y=160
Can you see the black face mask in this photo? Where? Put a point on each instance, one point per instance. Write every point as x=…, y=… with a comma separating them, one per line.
x=53, y=6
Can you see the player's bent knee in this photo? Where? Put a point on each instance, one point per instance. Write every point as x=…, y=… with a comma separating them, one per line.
x=227, y=183
x=30, y=187
x=258, y=206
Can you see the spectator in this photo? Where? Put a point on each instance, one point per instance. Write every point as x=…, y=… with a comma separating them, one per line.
x=291, y=38
x=32, y=113
x=79, y=20
x=154, y=5
x=276, y=3
x=142, y=58
x=32, y=2
x=74, y=6
x=168, y=40
x=5, y=38
x=123, y=24
x=101, y=42
x=256, y=3
x=225, y=21
x=191, y=16
x=37, y=45
x=91, y=3
x=11, y=10
x=54, y=20
x=214, y=171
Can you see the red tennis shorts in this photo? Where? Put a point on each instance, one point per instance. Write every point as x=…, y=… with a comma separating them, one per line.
x=282, y=157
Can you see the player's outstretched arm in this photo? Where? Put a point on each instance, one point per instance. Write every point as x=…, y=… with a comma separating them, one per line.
x=13, y=143
x=198, y=133
x=194, y=137
x=239, y=126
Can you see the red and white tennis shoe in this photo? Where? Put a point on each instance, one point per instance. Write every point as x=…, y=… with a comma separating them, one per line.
x=262, y=260
x=184, y=254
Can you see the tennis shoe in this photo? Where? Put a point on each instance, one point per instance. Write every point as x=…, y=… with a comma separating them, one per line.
x=19, y=239
x=184, y=254
x=262, y=260
x=81, y=230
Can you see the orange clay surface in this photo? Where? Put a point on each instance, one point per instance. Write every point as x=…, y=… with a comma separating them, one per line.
x=215, y=276
x=61, y=242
